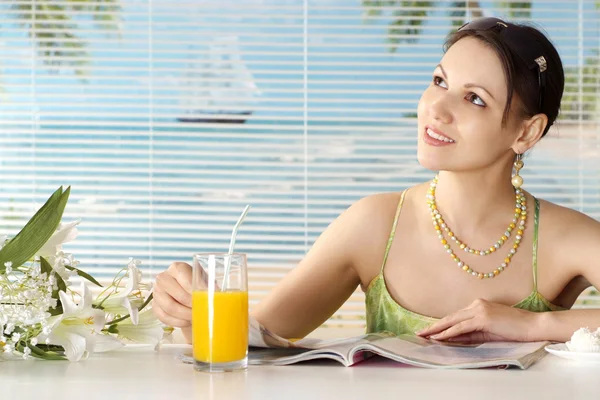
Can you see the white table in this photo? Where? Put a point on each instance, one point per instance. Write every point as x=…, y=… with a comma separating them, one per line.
x=141, y=373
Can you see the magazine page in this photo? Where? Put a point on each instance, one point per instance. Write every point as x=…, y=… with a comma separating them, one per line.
x=259, y=336
x=409, y=349
x=430, y=353
x=268, y=348
x=265, y=347
x=341, y=350
x=291, y=355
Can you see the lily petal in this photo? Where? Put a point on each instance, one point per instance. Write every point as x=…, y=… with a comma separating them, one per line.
x=74, y=345
x=69, y=306
x=148, y=330
x=65, y=233
x=106, y=343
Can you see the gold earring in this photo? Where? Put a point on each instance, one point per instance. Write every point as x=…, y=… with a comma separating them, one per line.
x=517, y=180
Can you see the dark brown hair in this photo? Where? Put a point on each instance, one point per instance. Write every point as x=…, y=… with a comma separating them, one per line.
x=520, y=79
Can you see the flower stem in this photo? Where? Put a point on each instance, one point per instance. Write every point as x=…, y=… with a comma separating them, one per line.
x=114, y=321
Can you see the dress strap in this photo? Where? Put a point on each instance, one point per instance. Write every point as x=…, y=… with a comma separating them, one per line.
x=393, y=232
x=536, y=222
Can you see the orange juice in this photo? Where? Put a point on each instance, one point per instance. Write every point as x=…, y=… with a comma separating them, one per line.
x=229, y=339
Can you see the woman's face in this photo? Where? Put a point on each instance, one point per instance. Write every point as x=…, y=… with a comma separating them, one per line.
x=460, y=113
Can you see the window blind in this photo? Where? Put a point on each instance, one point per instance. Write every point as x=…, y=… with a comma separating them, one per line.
x=167, y=118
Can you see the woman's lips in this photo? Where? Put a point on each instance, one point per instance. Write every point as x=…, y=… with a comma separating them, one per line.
x=436, y=138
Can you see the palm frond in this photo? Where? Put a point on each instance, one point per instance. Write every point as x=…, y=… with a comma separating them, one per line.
x=54, y=28
x=521, y=9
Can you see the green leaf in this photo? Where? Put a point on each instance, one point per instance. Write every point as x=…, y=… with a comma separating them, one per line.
x=581, y=104
x=84, y=275
x=458, y=14
x=53, y=348
x=61, y=18
x=45, y=266
x=408, y=18
x=36, y=232
x=520, y=9
x=39, y=353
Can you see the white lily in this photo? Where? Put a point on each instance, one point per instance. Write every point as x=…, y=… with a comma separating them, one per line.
x=106, y=342
x=127, y=300
x=52, y=250
x=75, y=330
x=65, y=233
x=148, y=330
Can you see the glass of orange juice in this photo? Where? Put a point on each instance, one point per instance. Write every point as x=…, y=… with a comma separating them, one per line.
x=220, y=312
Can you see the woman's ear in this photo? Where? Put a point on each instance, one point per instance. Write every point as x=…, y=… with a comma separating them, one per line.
x=532, y=130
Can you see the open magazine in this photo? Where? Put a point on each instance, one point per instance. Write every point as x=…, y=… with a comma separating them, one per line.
x=266, y=348
x=270, y=349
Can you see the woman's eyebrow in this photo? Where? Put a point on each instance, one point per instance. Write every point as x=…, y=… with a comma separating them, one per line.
x=467, y=85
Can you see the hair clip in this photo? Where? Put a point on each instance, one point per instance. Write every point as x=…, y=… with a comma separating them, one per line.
x=541, y=61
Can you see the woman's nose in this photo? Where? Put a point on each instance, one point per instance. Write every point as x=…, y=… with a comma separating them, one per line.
x=439, y=110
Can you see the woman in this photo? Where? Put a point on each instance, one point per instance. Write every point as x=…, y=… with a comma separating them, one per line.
x=470, y=256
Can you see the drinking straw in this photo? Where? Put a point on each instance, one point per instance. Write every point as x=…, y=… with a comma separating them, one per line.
x=231, y=246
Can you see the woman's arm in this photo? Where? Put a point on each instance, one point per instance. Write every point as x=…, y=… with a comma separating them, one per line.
x=580, y=250
x=326, y=277
x=560, y=325
x=312, y=291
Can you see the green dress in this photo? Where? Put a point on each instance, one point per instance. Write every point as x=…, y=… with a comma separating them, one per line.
x=385, y=314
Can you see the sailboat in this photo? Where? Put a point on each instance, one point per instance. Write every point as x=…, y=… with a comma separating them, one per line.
x=218, y=87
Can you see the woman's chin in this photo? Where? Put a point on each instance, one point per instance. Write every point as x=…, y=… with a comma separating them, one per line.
x=430, y=162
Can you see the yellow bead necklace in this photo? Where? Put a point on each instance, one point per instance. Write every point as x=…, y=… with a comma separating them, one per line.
x=517, y=223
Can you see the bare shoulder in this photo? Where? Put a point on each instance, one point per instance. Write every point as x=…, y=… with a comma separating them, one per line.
x=575, y=235
x=377, y=207
x=370, y=219
x=567, y=219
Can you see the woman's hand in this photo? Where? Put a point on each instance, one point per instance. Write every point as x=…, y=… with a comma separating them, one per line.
x=484, y=321
x=172, y=302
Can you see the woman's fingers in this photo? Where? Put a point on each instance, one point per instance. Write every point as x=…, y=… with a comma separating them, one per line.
x=172, y=293
x=177, y=283
x=447, y=322
x=459, y=329
x=171, y=307
x=168, y=319
x=182, y=272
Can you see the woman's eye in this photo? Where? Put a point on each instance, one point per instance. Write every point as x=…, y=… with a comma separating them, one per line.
x=439, y=81
x=473, y=98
